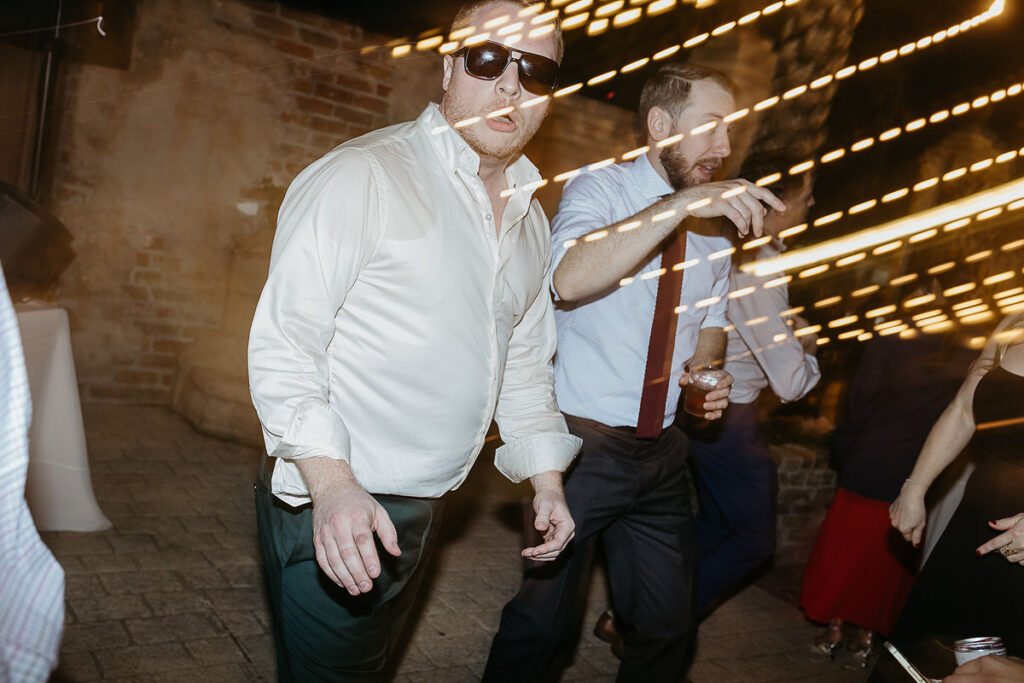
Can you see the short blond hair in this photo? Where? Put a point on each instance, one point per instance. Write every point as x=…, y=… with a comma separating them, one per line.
x=465, y=14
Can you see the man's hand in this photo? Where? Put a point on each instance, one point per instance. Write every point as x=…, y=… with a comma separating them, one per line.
x=717, y=400
x=989, y=669
x=809, y=342
x=1011, y=542
x=345, y=517
x=908, y=512
x=744, y=209
x=553, y=519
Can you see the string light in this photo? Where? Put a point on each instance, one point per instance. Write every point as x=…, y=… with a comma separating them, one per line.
x=889, y=232
x=1015, y=88
x=994, y=10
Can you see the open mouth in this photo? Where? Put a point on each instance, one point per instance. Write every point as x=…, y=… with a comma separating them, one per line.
x=502, y=119
x=708, y=169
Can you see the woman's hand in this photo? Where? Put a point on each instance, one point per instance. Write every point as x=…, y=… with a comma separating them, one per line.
x=908, y=513
x=1011, y=542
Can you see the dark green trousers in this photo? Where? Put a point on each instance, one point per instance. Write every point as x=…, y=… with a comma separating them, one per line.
x=322, y=633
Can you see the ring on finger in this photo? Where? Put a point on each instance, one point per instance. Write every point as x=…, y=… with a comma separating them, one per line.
x=1008, y=550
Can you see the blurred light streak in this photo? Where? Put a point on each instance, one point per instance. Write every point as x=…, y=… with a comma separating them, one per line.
x=919, y=301
x=1007, y=292
x=966, y=304
x=959, y=289
x=902, y=279
x=893, y=230
x=884, y=310
x=830, y=301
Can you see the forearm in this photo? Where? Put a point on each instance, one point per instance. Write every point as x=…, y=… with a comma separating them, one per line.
x=323, y=475
x=710, y=348
x=546, y=480
x=946, y=440
x=590, y=267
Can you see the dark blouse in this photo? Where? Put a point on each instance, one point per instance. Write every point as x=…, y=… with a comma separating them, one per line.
x=898, y=392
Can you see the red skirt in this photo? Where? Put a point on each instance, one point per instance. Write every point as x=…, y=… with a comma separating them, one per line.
x=861, y=570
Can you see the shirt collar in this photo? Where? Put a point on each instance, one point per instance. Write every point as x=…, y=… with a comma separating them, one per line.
x=457, y=153
x=652, y=185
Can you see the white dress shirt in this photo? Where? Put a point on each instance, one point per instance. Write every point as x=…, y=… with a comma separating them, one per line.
x=396, y=322
x=761, y=350
x=602, y=343
x=31, y=581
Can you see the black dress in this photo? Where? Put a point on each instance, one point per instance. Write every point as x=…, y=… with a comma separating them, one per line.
x=957, y=593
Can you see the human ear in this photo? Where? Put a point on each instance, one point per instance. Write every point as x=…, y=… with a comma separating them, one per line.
x=659, y=124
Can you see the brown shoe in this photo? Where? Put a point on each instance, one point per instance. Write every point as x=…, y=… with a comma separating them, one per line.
x=604, y=629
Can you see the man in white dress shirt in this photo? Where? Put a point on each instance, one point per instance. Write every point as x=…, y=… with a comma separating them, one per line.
x=736, y=478
x=31, y=581
x=629, y=485
x=406, y=306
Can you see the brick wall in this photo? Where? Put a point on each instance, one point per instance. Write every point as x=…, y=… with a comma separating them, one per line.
x=165, y=170
x=806, y=488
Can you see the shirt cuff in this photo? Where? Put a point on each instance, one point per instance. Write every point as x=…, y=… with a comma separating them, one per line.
x=314, y=431
x=530, y=455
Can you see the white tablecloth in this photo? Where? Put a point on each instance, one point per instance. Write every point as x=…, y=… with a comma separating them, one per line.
x=58, y=490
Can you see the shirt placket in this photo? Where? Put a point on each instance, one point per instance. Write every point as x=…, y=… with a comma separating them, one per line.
x=482, y=206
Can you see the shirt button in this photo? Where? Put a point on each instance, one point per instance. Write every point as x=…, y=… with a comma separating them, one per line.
x=489, y=216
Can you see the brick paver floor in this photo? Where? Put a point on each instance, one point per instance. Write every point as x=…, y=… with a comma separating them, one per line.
x=174, y=591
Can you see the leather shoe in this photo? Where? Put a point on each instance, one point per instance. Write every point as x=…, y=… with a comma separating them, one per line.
x=605, y=630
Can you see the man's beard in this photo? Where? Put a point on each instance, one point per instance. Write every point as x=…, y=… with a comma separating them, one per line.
x=510, y=145
x=681, y=173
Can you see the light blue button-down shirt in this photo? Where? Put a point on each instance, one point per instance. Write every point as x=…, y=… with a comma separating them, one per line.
x=602, y=344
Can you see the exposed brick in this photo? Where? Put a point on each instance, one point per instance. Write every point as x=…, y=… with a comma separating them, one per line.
x=314, y=106
x=135, y=377
x=215, y=650
x=300, y=16
x=170, y=627
x=336, y=95
x=353, y=116
x=122, y=393
x=330, y=126
x=353, y=82
x=295, y=49
x=302, y=85
x=378, y=71
x=273, y=25
x=69, y=543
x=175, y=295
x=371, y=104
x=140, y=275
x=109, y=607
x=84, y=637
x=179, y=602
x=318, y=39
x=143, y=659
x=76, y=666
x=135, y=292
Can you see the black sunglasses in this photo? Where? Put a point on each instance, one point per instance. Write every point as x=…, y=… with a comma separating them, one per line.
x=488, y=60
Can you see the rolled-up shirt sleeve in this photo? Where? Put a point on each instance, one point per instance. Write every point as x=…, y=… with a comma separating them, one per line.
x=584, y=209
x=327, y=230
x=717, y=315
x=791, y=372
x=534, y=431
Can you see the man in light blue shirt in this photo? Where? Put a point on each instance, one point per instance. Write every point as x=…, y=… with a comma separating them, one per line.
x=629, y=486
